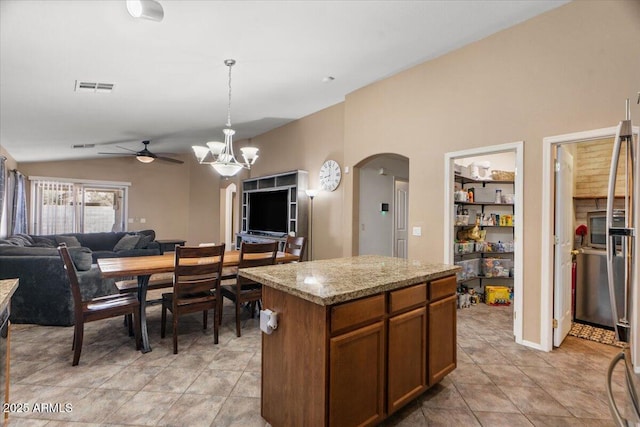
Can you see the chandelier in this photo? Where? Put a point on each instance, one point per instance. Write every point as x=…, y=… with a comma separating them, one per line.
x=220, y=154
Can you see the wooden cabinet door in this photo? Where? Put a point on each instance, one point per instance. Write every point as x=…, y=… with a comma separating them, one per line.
x=356, y=379
x=407, y=362
x=442, y=338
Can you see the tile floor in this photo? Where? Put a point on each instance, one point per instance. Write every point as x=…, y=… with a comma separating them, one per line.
x=497, y=383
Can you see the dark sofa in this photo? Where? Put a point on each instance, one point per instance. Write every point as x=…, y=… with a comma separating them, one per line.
x=43, y=296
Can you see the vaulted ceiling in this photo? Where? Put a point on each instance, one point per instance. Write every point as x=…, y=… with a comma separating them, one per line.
x=169, y=77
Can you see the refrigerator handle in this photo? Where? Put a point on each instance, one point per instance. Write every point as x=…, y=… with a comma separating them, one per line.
x=611, y=239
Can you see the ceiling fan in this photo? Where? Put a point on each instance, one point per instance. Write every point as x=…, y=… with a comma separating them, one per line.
x=144, y=155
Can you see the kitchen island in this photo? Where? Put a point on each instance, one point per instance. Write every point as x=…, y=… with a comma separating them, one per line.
x=357, y=338
x=7, y=289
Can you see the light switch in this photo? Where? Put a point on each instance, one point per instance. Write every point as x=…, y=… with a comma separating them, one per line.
x=417, y=231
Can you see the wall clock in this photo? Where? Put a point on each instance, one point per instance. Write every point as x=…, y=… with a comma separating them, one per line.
x=330, y=175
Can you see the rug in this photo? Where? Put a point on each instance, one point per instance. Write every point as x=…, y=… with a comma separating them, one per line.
x=593, y=333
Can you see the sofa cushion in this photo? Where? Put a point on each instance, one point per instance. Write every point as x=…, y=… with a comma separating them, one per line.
x=71, y=241
x=144, y=241
x=127, y=242
x=20, y=240
x=81, y=258
x=43, y=242
x=151, y=233
x=103, y=241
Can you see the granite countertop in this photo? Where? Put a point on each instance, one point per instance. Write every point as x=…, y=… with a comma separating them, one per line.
x=333, y=281
x=7, y=288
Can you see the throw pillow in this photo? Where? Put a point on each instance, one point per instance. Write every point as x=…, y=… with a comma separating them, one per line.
x=43, y=242
x=127, y=242
x=71, y=241
x=81, y=258
x=148, y=233
x=144, y=241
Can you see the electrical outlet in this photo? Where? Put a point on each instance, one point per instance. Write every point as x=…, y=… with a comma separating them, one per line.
x=143, y=220
x=130, y=220
x=417, y=231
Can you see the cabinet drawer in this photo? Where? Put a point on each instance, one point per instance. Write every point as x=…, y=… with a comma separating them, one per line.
x=442, y=288
x=358, y=312
x=407, y=297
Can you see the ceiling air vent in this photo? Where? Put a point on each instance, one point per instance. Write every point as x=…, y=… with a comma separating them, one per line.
x=83, y=145
x=93, y=87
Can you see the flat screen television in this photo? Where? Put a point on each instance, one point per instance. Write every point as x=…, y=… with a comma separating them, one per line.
x=268, y=211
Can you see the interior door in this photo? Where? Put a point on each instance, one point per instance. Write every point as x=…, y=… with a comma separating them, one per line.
x=401, y=218
x=563, y=244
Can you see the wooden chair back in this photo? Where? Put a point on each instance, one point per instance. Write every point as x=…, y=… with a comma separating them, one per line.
x=256, y=255
x=295, y=246
x=197, y=271
x=70, y=267
x=97, y=308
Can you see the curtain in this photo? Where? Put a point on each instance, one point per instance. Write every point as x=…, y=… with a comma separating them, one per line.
x=3, y=179
x=56, y=207
x=19, y=209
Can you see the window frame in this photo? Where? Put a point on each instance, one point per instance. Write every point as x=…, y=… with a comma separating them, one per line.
x=79, y=186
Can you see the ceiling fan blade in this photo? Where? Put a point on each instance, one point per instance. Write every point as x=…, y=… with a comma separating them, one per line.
x=169, y=159
x=125, y=148
x=121, y=154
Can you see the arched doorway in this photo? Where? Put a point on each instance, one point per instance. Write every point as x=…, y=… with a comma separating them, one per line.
x=228, y=215
x=381, y=190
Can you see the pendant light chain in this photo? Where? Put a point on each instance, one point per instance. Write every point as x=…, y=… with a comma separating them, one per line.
x=230, y=63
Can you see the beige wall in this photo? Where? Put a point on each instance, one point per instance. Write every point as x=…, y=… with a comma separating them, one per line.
x=565, y=71
x=548, y=76
x=305, y=144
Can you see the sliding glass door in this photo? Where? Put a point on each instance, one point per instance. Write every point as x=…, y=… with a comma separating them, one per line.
x=77, y=207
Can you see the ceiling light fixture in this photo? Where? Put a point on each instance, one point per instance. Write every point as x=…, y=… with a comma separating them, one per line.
x=220, y=154
x=148, y=9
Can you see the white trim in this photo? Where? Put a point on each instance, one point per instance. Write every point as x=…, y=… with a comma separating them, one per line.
x=547, y=263
x=533, y=345
x=518, y=287
x=81, y=181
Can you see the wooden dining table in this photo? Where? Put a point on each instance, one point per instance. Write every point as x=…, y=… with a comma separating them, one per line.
x=144, y=266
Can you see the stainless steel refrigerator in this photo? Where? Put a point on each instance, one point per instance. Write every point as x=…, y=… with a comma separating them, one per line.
x=621, y=248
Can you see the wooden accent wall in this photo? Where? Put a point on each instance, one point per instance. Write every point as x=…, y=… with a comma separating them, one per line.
x=591, y=174
x=592, y=168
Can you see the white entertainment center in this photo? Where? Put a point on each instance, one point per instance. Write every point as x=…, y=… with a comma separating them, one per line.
x=273, y=207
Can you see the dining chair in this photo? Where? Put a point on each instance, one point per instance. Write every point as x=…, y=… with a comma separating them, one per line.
x=295, y=246
x=196, y=287
x=96, y=308
x=245, y=290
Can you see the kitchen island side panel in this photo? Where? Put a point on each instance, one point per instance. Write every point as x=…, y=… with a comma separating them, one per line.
x=294, y=391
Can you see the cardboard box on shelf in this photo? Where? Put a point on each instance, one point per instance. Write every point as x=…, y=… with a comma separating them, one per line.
x=497, y=295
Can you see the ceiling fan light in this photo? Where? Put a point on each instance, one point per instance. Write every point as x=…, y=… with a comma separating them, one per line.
x=148, y=9
x=145, y=159
x=227, y=169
